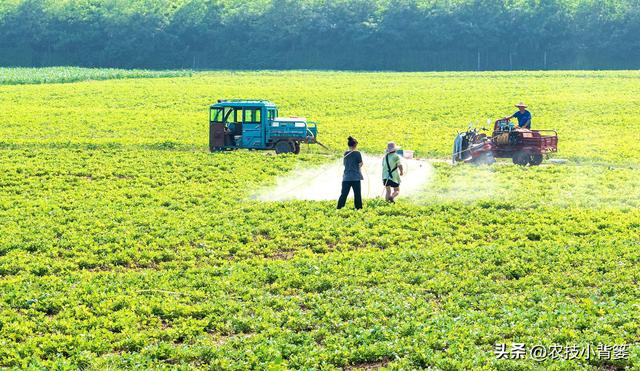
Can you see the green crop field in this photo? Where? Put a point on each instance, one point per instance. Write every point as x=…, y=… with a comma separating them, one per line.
x=125, y=244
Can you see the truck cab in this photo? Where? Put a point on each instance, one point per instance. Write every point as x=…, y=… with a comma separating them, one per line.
x=255, y=124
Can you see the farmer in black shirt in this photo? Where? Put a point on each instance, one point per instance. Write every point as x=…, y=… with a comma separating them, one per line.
x=352, y=176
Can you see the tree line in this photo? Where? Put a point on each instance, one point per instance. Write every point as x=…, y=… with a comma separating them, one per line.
x=405, y=35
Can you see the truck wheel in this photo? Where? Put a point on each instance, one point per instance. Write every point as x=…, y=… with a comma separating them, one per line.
x=296, y=147
x=284, y=146
x=536, y=160
x=521, y=158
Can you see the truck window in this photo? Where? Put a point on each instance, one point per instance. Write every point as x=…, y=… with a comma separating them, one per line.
x=231, y=114
x=252, y=115
x=271, y=114
x=216, y=115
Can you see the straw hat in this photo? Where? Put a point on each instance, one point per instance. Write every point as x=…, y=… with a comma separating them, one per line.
x=521, y=104
x=391, y=147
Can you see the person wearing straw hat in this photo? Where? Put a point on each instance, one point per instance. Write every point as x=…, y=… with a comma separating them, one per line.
x=352, y=175
x=391, y=171
x=523, y=116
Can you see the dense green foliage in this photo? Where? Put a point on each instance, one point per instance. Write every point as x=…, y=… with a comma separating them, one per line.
x=125, y=244
x=12, y=76
x=349, y=34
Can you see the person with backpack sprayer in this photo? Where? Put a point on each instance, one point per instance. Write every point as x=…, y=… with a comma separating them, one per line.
x=352, y=176
x=391, y=171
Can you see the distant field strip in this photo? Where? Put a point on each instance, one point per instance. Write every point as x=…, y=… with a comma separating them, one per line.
x=51, y=75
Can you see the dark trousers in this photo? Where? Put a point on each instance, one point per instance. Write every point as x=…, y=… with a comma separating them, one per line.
x=357, y=194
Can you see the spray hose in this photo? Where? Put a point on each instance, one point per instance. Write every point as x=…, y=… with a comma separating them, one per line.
x=324, y=171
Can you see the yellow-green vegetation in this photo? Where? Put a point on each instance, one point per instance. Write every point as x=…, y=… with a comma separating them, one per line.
x=124, y=243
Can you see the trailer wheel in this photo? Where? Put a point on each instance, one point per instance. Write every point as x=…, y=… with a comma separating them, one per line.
x=521, y=158
x=536, y=160
x=284, y=146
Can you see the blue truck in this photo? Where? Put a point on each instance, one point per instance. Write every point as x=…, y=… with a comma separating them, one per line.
x=255, y=124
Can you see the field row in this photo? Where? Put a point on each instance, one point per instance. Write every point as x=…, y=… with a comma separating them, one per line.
x=104, y=208
x=595, y=117
x=442, y=305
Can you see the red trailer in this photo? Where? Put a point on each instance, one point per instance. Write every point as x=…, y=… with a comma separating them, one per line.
x=523, y=146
